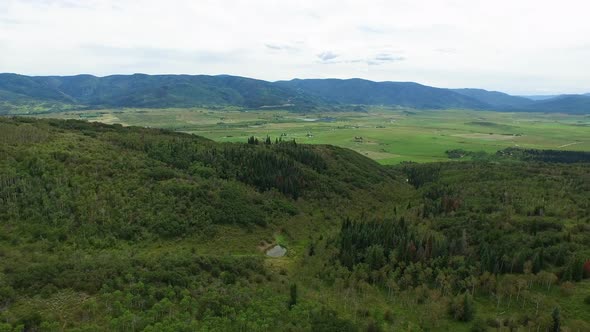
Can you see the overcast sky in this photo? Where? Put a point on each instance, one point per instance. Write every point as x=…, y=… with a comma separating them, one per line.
x=517, y=46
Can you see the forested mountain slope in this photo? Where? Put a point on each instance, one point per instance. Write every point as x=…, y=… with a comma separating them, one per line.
x=21, y=94
x=364, y=92
x=495, y=98
x=149, y=91
x=572, y=104
x=121, y=228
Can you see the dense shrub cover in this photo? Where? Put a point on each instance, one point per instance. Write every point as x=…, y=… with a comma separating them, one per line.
x=133, y=229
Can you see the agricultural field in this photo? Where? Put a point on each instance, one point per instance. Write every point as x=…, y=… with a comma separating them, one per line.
x=388, y=135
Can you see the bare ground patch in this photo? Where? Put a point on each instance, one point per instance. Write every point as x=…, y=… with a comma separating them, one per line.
x=377, y=155
x=487, y=137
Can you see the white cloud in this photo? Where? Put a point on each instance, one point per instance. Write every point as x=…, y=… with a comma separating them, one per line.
x=327, y=56
x=515, y=46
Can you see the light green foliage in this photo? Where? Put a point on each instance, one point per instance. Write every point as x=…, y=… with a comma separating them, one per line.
x=388, y=135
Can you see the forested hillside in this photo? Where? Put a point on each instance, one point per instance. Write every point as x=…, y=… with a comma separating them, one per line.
x=21, y=94
x=149, y=91
x=364, y=92
x=495, y=98
x=133, y=229
x=572, y=104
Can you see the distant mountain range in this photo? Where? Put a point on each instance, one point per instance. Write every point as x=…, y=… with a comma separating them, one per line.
x=540, y=97
x=363, y=92
x=495, y=98
x=158, y=91
x=148, y=91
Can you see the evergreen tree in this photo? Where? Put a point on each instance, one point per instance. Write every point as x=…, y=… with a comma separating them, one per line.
x=462, y=308
x=293, y=295
x=556, y=317
x=468, y=308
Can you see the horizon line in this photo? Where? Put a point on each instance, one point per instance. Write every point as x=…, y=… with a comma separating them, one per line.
x=297, y=78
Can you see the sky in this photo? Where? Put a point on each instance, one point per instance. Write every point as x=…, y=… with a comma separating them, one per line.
x=516, y=46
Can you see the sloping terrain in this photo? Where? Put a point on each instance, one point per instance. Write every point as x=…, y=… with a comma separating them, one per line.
x=149, y=91
x=25, y=94
x=495, y=98
x=571, y=104
x=363, y=92
x=125, y=228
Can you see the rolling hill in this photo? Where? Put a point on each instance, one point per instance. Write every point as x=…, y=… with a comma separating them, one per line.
x=149, y=91
x=540, y=97
x=364, y=92
x=112, y=228
x=571, y=104
x=495, y=98
x=32, y=94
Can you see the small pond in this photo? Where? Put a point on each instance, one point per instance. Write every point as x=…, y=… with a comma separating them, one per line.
x=276, y=251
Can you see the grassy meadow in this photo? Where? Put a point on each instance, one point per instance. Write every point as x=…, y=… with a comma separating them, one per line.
x=387, y=135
